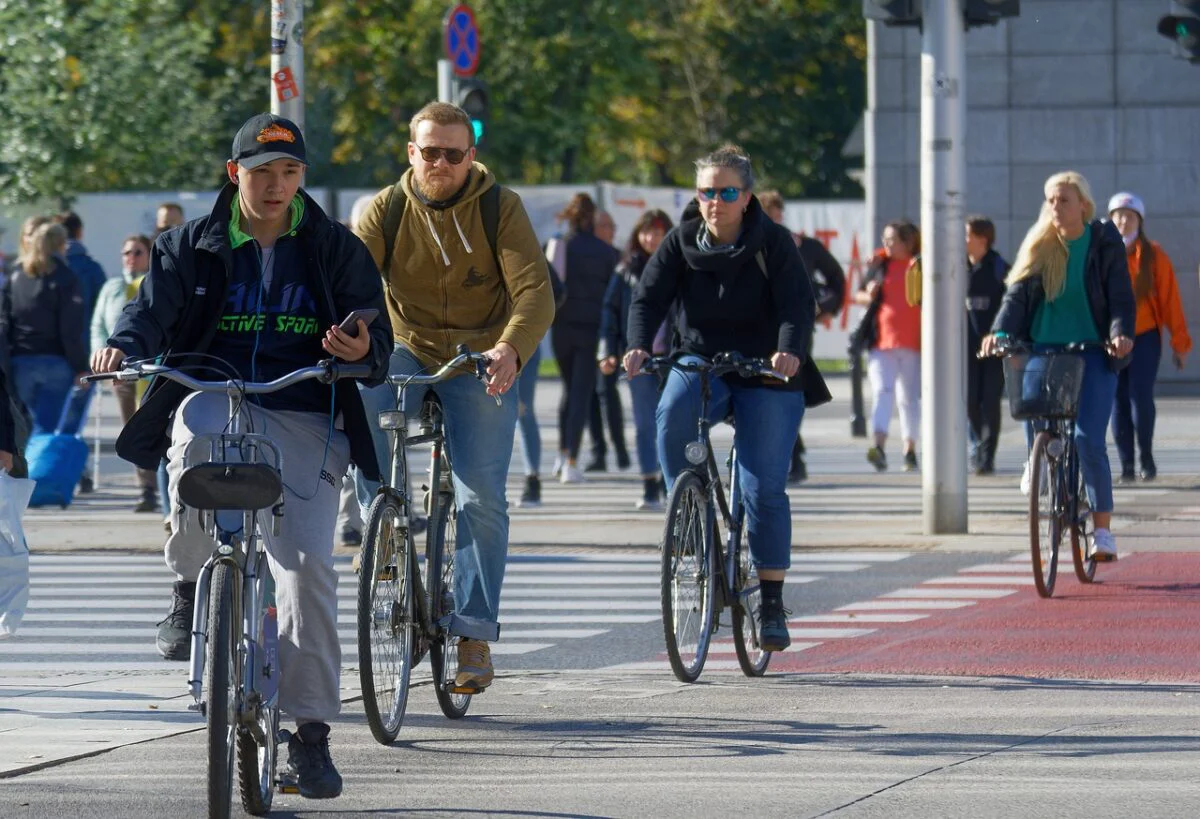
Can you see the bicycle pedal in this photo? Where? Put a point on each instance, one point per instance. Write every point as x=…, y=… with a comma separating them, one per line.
x=287, y=783
x=469, y=690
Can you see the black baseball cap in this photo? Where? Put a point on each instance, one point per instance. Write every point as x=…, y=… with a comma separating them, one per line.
x=266, y=137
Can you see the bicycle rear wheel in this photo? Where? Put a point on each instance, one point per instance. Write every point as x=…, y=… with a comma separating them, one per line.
x=1081, y=534
x=751, y=656
x=385, y=618
x=1045, y=514
x=443, y=651
x=221, y=684
x=686, y=580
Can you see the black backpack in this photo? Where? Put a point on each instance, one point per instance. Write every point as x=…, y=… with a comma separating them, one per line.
x=489, y=209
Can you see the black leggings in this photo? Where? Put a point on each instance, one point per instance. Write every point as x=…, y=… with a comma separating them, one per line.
x=576, y=357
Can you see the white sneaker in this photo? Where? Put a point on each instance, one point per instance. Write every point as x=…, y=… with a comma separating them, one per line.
x=571, y=474
x=558, y=466
x=1106, y=546
x=1026, y=480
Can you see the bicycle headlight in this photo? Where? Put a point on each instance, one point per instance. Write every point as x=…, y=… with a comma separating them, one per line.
x=391, y=419
x=696, y=452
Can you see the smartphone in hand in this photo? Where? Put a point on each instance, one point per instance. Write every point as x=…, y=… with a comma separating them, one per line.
x=349, y=325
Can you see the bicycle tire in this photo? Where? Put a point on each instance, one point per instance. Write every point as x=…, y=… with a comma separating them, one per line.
x=751, y=656
x=443, y=651
x=221, y=684
x=1045, y=515
x=385, y=618
x=256, y=762
x=1085, y=567
x=687, y=555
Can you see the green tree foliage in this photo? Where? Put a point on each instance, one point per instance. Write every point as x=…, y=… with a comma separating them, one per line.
x=99, y=95
x=110, y=94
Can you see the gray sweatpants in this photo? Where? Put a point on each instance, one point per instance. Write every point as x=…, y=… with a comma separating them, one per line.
x=301, y=558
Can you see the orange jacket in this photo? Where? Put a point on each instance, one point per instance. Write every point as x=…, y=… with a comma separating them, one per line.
x=1161, y=307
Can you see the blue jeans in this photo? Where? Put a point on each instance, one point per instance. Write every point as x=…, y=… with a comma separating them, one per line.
x=1091, y=429
x=479, y=438
x=1134, y=409
x=643, y=389
x=765, y=422
x=42, y=382
x=531, y=436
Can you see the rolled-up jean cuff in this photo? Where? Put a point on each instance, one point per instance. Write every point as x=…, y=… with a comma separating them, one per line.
x=474, y=629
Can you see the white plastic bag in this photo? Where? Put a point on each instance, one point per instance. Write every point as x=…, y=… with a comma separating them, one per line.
x=14, y=552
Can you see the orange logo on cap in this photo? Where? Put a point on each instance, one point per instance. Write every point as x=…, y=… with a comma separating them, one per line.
x=275, y=133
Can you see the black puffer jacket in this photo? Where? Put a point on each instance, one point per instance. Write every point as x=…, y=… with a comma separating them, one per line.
x=726, y=302
x=590, y=264
x=182, y=298
x=1106, y=279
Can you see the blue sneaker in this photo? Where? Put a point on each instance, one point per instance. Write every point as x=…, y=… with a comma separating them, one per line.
x=772, y=625
x=309, y=763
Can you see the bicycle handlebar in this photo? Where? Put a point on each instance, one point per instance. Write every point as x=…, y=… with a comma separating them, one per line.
x=1006, y=346
x=326, y=372
x=721, y=364
x=455, y=364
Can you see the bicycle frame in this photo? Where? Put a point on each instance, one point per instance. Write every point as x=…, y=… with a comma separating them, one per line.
x=1065, y=458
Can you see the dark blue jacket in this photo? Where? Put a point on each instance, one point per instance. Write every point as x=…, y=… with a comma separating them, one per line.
x=590, y=265
x=985, y=292
x=614, y=321
x=1106, y=280
x=182, y=298
x=91, y=278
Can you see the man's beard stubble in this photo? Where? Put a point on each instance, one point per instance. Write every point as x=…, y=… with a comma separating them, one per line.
x=437, y=189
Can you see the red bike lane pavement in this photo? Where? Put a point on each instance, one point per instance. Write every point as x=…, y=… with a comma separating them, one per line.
x=1139, y=621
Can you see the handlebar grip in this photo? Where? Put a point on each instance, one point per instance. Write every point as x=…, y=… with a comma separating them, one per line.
x=92, y=377
x=351, y=371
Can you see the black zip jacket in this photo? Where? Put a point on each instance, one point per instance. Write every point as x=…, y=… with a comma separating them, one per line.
x=614, y=323
x=44, y=315
x=985, y=291
x=182, y=298
x=725, y=300
x=1106, y=279
x=590, y=265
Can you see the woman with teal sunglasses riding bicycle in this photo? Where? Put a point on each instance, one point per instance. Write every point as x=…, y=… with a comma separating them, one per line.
x=738, y=285
x=1070, y=284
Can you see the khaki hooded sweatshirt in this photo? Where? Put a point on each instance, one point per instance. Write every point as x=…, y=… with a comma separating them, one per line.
x=443, y=288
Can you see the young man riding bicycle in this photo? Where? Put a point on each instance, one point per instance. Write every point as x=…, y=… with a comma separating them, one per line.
x=462, y=265
x=252, y=291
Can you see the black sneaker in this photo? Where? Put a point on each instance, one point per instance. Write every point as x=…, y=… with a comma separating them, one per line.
x=175, y=630
x=1149, y=468
x=1127, y=475
x=309, y=762
x=532, y=496
x=773, y=628
x=910, y=461
x=351, y=536
x=650, y=498
x=148, y=503
x=86, y=485
x=622, y=459
x=597, y=465
x=877, y=458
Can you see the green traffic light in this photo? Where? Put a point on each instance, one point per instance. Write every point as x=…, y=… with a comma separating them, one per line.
x=477, y=126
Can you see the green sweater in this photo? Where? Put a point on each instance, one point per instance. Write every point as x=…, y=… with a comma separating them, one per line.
x=1068, y=318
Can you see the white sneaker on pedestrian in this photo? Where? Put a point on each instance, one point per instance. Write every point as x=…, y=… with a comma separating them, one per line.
x=572, y=474
x=558, y=466
x=1026, y=480
x=1106, y=546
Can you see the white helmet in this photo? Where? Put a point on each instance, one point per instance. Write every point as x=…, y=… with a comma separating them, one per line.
x=1127, y=200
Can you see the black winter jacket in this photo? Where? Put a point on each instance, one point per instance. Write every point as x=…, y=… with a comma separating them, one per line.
x=725, y=300
x=985, y=291
x=1106, y=279
x=590, y=264
x=181, y=300
x=614, y=323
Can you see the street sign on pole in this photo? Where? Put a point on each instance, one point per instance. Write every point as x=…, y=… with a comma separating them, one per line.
x=287, y=60
x=460, y=37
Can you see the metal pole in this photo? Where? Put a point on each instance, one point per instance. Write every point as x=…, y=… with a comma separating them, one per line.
x=858, y=418
x=943, y=317
x=445, y=74
x=287, y=60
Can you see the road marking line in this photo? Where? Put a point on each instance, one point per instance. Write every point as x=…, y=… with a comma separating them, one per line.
x=851, y=617
x=936, y=594
x=983, y=580
x=871, y=605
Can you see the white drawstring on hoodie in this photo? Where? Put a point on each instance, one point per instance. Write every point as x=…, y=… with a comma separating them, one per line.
x=438, y=239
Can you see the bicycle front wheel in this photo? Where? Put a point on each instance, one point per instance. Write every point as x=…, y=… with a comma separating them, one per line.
x=221, y=677
x=751, y=656
x=1045, y=514
x=686, y=581
x=1081, y=535
x=385, y=618
x=443, y=652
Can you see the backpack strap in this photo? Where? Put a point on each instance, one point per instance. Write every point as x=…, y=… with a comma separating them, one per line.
x=396, y=201
x=489, y=209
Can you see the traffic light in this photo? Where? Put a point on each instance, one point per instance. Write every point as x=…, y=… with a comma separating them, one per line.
x=471, y=95
x=893, y=12
x=1183, y=29
x=989, y=12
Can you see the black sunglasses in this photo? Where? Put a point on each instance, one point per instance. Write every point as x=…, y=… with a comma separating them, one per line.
x=453, y=155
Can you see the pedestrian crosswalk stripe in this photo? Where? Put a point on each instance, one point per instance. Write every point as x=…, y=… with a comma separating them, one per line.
x=936, y=594
x=983, y=580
